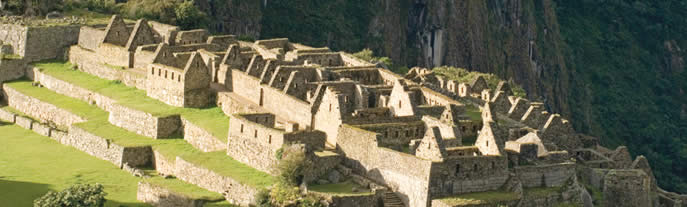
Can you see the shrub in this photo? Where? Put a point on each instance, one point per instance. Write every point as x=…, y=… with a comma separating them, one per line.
x=79, y=195
x=189, y=16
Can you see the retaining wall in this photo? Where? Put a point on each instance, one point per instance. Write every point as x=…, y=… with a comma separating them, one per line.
x=545, y=175
x=144, y=123
x=200, y=138
x=103, y=148
x=160, y=196
x=41, y=110
x=234, y=191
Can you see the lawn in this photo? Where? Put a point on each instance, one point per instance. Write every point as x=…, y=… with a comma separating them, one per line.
x=211, y=119
x=342, y=188
x=489, y=197
x=186, y=189
x=31, y=165
x=218, y=162
x=75, y=106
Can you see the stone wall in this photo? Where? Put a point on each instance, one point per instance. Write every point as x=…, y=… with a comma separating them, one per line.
x=200, y=138
x=71, y=90
x=159, y=196
x=115, y=55
x=14, y=35
x=103, y=148
x=133, y=120
x=143, y=123
x=234, y=191
x=88, y=61
x=90, y=38
x=465, y=174
x=164, y=165
x=50, y=42
x=386, y=166
x=233, y=104
x=273, y=100
x=11, y=69
x=7, y=116
x=41, y=110
x=367, y=200
x=553, y=175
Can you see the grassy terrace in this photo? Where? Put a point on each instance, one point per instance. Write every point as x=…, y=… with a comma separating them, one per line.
x=343, y=188
x=217, y=162
x=490, y=197
x=98, y=125
x=72, y=105
x=211, y=119
x=186, y=189
x=31, y=165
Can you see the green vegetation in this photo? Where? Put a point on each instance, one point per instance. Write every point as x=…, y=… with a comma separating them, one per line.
x=211, y=119
x=75, y=106
x=34, y=165
x=342, y=188
x=626, y=89
x=182, y=13
x=79, y=195
x=541, y=191
x=462, y=75
x=186, y=189
x=490, y=197
x=340, y=25
x=218, y=162
x=473, y=112
x=10, y=57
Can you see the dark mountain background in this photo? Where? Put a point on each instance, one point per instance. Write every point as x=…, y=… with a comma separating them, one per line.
x=616, y=68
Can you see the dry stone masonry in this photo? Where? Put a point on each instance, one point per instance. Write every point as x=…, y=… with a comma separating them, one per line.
x=405, y=139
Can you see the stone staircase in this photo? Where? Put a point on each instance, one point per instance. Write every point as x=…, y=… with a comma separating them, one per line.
x=392, y=200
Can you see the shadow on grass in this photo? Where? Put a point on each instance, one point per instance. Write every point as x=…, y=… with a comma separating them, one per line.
x=18, y=193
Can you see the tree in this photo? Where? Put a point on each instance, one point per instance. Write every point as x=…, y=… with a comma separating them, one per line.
x=189, y=16
x=79, y=195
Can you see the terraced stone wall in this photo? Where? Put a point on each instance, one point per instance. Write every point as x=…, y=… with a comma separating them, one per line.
x=39, y=109
x=11, y=69
x=102, y=148
x=386, y=166
x=159, y=196
x=143, y=123
x=234, y=191
x=200, y=138
x=553, y=175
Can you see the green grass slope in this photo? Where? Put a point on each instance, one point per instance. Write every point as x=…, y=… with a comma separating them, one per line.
x=32, y=165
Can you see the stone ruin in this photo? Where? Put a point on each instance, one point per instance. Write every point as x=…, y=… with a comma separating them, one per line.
x=406, y=137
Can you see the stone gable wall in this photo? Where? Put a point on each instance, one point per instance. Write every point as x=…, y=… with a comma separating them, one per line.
x=52, y=42
x=90, y=38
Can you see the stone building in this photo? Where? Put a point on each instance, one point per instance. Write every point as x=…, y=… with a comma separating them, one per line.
x=414, y=139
